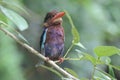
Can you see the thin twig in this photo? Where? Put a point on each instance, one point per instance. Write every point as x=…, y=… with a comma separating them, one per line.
x=68, y=50
x=93, y=73
x=59, y=69
x=65, y=59
x=74, y=59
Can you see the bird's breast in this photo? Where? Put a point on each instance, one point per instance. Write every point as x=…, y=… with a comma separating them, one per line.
x=55, y=35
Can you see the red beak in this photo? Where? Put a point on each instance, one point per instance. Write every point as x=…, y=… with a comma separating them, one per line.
x=58, y=15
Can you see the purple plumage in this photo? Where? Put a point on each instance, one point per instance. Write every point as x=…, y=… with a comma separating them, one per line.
x=52, y=39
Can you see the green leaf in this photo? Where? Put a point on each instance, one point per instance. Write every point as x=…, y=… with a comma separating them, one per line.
x=76, y=37
x=1, y=22
x=90, y=58
x=106, y=50
x=3, y=18
x=80, y=45
x=111, y=71
x=101, y=75
x=71, y=72
x=115, y=67
x=105, y=59
x=86, y=56
x=15, y=18
x=16, y=33
x=14, y=4
x=19, y=35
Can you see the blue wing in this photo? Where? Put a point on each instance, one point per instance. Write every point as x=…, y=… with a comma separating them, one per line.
x=43, y=39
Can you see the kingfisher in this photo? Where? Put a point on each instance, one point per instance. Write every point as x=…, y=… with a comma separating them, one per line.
x=52, y=38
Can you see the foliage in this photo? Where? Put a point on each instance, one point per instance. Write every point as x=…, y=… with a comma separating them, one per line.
x=106, y=50
x=100, y=52
x=12, y=15
x=18, y=20
x=11, y=59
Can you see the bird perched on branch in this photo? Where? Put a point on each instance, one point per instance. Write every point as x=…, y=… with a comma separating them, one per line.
x=52, y=38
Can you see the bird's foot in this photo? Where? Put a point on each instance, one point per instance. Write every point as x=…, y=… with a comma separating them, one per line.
x=60, y=60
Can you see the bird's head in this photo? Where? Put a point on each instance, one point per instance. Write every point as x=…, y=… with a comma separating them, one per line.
x=53, y=18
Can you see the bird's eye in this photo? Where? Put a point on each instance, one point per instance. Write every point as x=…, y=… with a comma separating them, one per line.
x=48, y=17
x=51, y=16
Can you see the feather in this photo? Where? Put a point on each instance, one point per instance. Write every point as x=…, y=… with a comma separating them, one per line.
x=42, y=40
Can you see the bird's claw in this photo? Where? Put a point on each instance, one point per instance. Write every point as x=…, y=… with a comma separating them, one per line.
x=59, y=61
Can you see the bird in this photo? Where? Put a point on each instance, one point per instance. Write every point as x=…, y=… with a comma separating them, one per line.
x=52, y=38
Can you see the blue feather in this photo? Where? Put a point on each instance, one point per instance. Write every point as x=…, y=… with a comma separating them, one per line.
x=43, y=38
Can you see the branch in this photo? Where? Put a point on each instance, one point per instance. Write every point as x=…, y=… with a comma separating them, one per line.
x=59, y=69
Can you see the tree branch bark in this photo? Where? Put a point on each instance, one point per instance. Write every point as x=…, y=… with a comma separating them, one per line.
x=59, y=69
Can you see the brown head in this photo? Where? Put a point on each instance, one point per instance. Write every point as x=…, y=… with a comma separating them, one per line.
x=53, y=18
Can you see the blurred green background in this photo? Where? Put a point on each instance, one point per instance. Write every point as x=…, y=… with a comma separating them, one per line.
x=98, y=22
